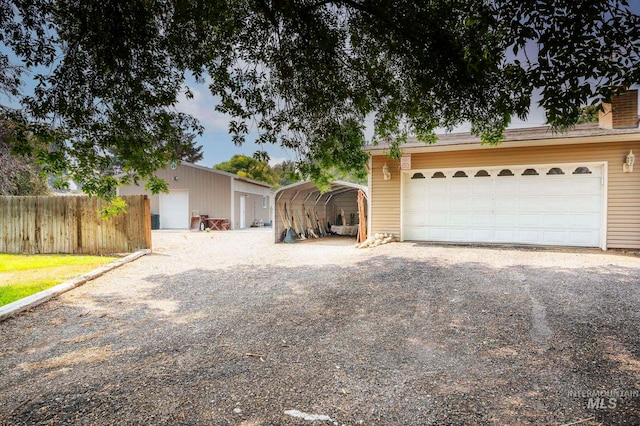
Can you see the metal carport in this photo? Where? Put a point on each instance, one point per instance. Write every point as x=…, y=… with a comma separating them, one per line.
x=303, y=206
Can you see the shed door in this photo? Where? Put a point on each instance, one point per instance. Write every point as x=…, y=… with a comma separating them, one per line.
x=174, y=210
x=550, y=205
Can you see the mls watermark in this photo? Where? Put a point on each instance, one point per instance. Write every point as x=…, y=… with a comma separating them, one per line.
x=604, y=399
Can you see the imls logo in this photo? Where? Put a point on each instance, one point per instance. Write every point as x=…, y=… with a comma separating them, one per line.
x=602, y=403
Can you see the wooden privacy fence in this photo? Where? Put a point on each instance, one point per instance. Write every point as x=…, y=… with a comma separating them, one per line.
x=72, y=224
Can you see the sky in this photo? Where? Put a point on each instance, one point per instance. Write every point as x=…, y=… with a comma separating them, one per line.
x=218, y=146
x=216, y=141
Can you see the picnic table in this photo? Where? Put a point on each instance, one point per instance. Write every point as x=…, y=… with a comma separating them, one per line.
x=217, y=223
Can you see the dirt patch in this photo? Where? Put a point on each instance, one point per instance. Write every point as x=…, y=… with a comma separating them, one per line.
x=228, y=329
x=85, y=355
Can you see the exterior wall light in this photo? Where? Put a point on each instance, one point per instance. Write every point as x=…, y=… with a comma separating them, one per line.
x=175, y=178
x=627, y=167
x=385, y=172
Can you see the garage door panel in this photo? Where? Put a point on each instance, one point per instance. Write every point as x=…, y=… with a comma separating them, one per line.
x=460, y=187
x=417, y=233
x=586, y=221
x=553, y=185
x=506, y=220
x=506, y=185
x=555, y=204
x=460, y=204
x=416, y=205
x=584, y=204
x=482, y=204
x=505, y=236
x=439, y=204
x=438, y=219
x=531, y=205
x=460, y=219
x=556, y=237
x=529, y=185
x=438, y=187
x=483, y=219
x=528, y=220
x=481, y=186
x=459, y=234
x=504, y=205
x=531, y=236
x=483, y=234
x=415, y=219
x=584, y=238
x=439, y=234
x=584, y=186
x=556, y=220
x=556, y=209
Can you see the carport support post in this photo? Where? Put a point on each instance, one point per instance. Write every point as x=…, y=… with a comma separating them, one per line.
x=232, y=219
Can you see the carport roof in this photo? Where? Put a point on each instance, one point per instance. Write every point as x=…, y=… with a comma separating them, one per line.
x=308, y=186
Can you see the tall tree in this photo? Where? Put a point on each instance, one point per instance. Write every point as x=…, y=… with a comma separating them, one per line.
x=248, y=167
x=306, y=73
x=286, y=173
x=20, y=174
x=589, y=114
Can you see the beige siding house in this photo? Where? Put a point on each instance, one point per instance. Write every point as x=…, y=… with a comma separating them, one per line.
x=537, y=187
x=209, y=192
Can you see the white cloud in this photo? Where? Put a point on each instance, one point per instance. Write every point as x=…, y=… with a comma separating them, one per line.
x=277, y=160
x=202, y=107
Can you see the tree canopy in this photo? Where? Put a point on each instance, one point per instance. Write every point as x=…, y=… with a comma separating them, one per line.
x=248, y=167
x=21, y=174
x=589, y=114
x=304, y=74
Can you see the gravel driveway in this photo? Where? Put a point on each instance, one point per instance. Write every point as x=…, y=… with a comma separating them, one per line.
x=227, y=328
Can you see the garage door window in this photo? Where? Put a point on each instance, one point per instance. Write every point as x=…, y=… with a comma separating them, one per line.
x=530, y=172
x=505, y=172
x=482, y=173
x=459, y=174
x=555, y=171
x=582, y=171
x=438, y=175
x=417, y=176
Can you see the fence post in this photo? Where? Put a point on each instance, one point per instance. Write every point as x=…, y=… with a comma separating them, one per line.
x=147, y=222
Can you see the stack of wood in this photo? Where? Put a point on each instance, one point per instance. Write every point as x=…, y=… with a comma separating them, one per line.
x=301, y=224
x=376, y=240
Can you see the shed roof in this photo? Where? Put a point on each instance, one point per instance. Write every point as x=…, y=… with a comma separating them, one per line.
x=220, y=172
x=236, y=177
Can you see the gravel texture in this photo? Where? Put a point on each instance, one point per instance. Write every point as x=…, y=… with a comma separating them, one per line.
x=227, y=328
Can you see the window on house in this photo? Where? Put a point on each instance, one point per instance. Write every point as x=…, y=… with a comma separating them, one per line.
x=582, y=171
x=417, y=176
x=555, y=171
x=264, y=201
x=482, y=173
x=459, y=173
x=530, y=172
x=438, y=175
x=505, y=172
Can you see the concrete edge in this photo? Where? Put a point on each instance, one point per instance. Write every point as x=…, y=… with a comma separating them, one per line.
x=14, y=308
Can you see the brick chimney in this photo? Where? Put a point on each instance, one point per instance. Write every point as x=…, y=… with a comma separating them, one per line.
x=621, y=113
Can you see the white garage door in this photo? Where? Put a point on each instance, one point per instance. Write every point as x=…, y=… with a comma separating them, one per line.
x=549, y=205
x=174, y=210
